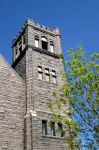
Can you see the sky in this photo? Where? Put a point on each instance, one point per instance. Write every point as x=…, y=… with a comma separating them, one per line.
x=78, y=21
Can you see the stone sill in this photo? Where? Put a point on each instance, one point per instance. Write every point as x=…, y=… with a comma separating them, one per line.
x=54, y=137
x=48, y=82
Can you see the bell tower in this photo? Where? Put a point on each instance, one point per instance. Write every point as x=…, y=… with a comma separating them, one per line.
x=37, y=36
x=36, y=58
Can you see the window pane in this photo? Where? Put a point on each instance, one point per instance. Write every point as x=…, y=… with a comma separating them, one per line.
x=54, y=79
x=44, y=39
x=40, y=75
x=44, y=45
x=52, y=48
x=53, y=72
x=36, y=43
x=60, y=129
x=53, y=129
x=46, y=70
x=47, y=77
x=44, y=127
x=39, y=68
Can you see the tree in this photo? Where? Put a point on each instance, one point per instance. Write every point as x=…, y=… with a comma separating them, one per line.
x=80, y=93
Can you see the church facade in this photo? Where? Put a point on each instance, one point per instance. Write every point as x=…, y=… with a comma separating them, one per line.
x=26, y=89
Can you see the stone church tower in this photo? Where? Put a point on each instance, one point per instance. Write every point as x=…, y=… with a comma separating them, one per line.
x=27, y=88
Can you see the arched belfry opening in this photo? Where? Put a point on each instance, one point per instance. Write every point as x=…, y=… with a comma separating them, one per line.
x=36, y=41
x=44, y=43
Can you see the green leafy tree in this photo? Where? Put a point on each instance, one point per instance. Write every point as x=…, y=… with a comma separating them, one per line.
x=80, y=95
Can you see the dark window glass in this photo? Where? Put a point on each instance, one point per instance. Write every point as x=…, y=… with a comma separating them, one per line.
x=53, y=128
x=44, y=45
x=60, y=129
x=44, y=127
x=20, y=49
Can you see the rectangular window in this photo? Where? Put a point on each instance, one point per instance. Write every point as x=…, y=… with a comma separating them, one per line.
x=60, y=129
x=44, y=127
x=47, y=78
x=40, y=73
x=53, y=76
x=39, y=68
x=52, y=48
x=52, y=124
x=44, y=45
x=47, y=75
x=20, y=49
x=46, y=70
x=36, y=43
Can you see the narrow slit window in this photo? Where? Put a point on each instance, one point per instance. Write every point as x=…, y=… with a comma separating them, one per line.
x=24, y=39
x=53, y=76
x=36, y=41
x=51, y=47
x=47, y=75
x=44, y=43
x=60, y=129
x=20, y=49
x=44, y=127
x=52, y=124
x=40, y=73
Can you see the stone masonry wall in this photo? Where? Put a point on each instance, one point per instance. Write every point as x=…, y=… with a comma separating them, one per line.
x=55, y=37
x=12, y=108
x=40, y=93
x=20, y=68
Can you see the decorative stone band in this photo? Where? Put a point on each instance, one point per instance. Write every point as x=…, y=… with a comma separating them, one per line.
x=44, y=51
x=35, y=49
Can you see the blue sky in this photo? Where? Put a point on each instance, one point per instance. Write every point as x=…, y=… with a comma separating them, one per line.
x=77, y=19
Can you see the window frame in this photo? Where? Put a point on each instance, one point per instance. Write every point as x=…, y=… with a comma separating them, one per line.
x=44, y=127
x=54, y=77
x=44, y=41
x=52, y=127
x=36, y=40
x=47, y=74
x=60, y=129
x=52, y=44
x=40, y=73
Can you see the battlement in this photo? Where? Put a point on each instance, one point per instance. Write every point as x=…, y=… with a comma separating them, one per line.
x=35, y=25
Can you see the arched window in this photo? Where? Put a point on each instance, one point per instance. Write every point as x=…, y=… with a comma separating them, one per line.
x=51, y=46
x=36, y=41
x=44, y=43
